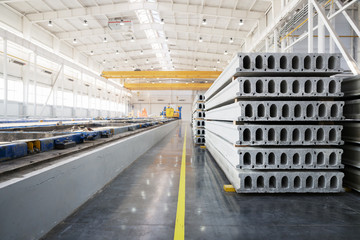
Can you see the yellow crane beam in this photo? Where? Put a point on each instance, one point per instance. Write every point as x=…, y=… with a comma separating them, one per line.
x=161, y=74
x=167, y=86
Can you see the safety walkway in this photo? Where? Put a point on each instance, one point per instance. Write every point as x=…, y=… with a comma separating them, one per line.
x=143, y=203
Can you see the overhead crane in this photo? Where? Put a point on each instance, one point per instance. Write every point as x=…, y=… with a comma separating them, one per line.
x=164, y=74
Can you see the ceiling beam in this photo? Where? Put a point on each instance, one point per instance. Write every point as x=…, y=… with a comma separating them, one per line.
x=162, y=7
x=167, y=86
x=175, y=52
x=203, y=31
x=141, y=42
x=161, y=74
x=177, y=60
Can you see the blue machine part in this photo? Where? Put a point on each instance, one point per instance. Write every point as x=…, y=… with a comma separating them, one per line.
x=179, y=112
x=13, y=150
x=47, y=144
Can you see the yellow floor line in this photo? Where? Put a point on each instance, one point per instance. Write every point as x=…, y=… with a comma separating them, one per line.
x=179, y=233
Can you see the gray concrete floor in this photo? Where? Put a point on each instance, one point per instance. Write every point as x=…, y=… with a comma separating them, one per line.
x=141, y=204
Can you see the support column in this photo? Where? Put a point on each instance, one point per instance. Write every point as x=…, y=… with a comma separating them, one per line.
x=321, y=36
x=276, y=38
x=348, y=58
x=35, y=82
x=62, y=91
x=266, y=44
x=5, y=76
x=26, y=80
x=283, y=45
x=358, y=41
x=310, y=27
x=55, y=102
x=75, y=93
x=332, y=22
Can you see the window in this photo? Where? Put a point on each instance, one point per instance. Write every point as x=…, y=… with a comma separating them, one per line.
x=15, y=90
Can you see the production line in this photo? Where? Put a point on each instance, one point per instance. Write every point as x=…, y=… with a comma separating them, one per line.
x=25, y=138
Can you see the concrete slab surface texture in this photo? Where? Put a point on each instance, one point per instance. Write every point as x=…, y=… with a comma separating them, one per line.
x=198, y=121
x=351, y=133
x=274, y=111
x=277, y=87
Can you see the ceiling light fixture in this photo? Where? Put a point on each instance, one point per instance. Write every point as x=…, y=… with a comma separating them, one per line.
x=152, y=68
x=126, y=61
x=92, y=53
x=200, y=39
x=50, y=24
x=85, y=23
x=74, y=41
x=132, y=39
x=162, y=21
x=147, y=60
x=122, y=22
x=231, y=40
x=141, y=52
x=166, y=39
x=104, y=61
x=241, y=22
x=226, y=52
x=214, y=68
x=204, y=22
x=105, y=40
x=195, y=68
x=218, y=61
x=117, y=52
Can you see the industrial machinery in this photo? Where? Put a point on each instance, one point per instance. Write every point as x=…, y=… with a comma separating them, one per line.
x=170, y=112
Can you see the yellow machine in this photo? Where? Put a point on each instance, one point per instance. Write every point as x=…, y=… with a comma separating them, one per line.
x=170, y=112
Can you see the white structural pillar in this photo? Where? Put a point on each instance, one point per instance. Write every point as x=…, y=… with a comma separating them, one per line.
x=75, y=84
x=348, y=58
x=26, y=79
x=276, y=38
x=332, y=21
x=310, y=27
x=35, y=82
x=283, y=45
x=62, y=91
x=5, y=76
x=358, y=41
x=321, y=35
x=266, y=44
